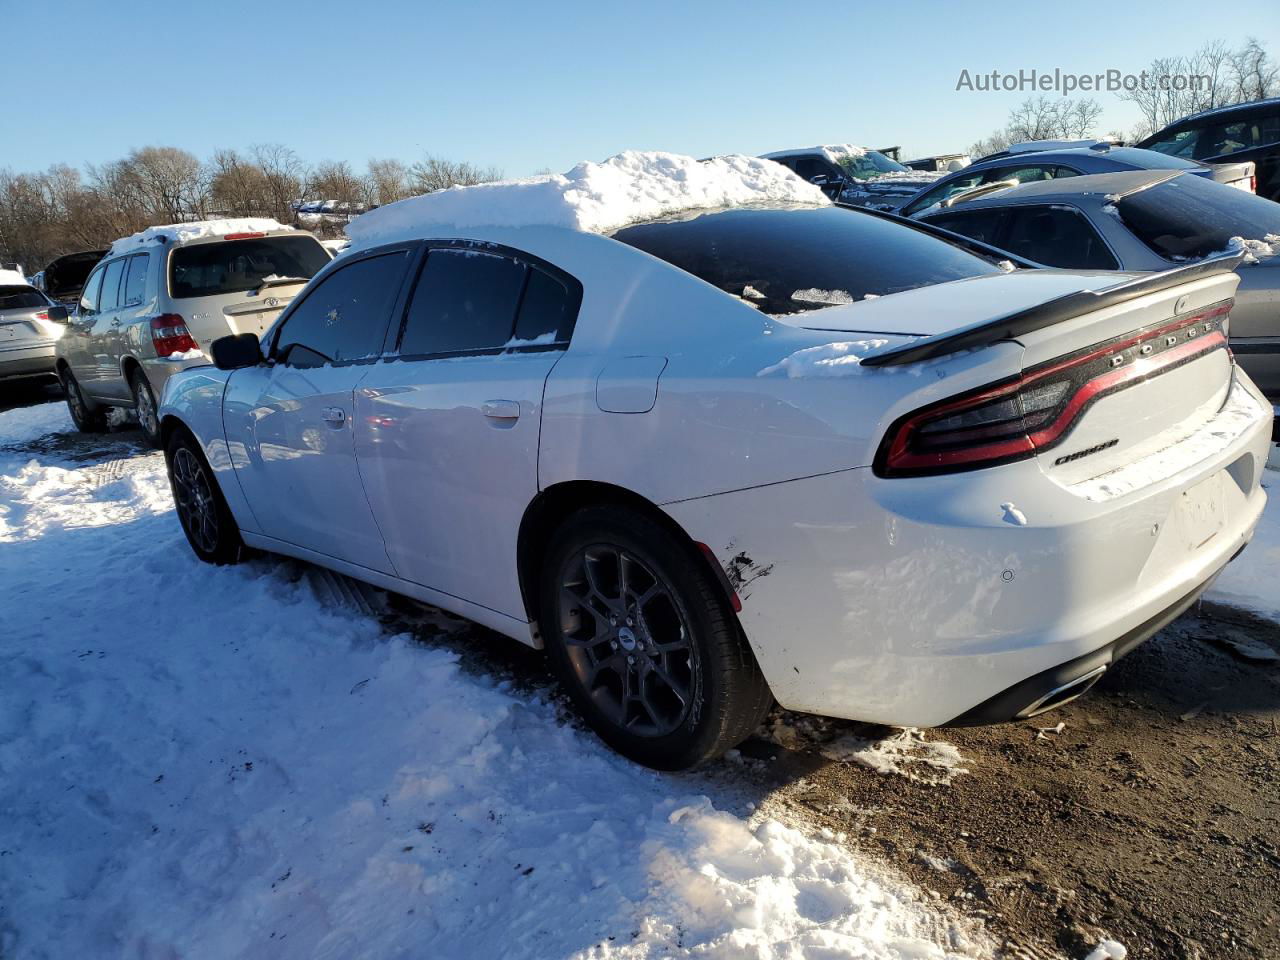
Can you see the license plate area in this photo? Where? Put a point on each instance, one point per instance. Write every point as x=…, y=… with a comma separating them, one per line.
x=1202, y=512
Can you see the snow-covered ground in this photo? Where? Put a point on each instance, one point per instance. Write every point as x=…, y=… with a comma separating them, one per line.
x=201, y=762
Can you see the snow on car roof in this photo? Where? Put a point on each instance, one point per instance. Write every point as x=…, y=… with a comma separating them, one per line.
x=835, y=152
x=196, y=230
x=12, y=278
x=592, y=197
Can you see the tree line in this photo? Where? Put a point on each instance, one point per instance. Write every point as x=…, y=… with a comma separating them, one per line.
x=64, y=209
x=1231, y=76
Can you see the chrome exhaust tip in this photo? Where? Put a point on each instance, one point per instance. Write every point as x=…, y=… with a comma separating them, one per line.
x=1063, y=694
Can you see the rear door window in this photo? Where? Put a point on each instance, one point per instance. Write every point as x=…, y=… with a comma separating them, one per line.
x=345, y=316
x=135, y=279
x=1056, y=237
x=547, y=310
x=238, y=266
x=110, y=298
x=465, y=301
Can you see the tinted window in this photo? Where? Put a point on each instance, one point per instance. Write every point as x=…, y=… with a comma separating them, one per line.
x=20, y=297
x=788, y=260
x=948, y=188
x=547, y=309
x=1188, y=218
x=89, y=296
x=111, y=285
x=809, y=167
x=135, y=279
x=235, y=266
x=981, y=225
x=1056, y=238
x=345, y=316
x=1180, y=144
x=464, y=301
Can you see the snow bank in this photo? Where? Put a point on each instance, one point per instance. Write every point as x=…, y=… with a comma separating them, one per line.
x=592, y=197
x=196, y=230
x=236, y=768
x=24, y=424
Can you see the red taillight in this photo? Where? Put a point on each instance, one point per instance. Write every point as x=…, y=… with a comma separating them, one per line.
x=1253, y=183
x=169, y=334
x=1017, y=418
x=42, y=315
x=242, y=236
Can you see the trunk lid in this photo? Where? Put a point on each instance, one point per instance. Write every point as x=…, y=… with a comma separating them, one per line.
x=1130, y=380
x=256, y=311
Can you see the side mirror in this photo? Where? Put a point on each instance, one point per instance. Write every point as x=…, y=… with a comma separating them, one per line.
x=58, y=313
x=234, y=353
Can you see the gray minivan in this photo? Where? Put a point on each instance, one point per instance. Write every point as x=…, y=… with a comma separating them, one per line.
x=158, y=300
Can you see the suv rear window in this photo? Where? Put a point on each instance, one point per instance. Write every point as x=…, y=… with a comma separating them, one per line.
x=791, y=259
x=235, y=266
x=19, y=298
x=1189, y=218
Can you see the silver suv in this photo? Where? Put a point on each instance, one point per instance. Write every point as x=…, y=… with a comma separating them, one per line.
x=30, y=325
x=158, y=300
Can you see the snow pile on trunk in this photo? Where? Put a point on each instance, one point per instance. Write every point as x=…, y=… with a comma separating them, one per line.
x=592, y=197
x=196, y=230
x=827, y=360
x=11, y=278
x=231, y=767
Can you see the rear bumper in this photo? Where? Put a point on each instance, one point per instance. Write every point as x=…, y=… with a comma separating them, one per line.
x=1061, y=684
x=159, y=371
x=917, y=601
x=20, y=362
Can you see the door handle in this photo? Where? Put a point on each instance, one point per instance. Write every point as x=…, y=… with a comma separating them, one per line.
x=335, y=416
x=501, y=409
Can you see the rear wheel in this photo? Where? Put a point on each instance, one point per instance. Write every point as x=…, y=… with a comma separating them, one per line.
x=643, y=641
x=145, y=404
x=205, y=517
x=87, y=419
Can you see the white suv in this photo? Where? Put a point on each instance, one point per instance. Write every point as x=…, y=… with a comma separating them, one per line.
x=161, y=296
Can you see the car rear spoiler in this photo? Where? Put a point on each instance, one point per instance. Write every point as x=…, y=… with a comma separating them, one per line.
x=1048, y=313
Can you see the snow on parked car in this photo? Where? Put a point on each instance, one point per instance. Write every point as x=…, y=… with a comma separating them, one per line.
x=578, y=410
x=857, y=175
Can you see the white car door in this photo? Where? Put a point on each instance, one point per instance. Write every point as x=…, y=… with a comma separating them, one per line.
x=447, y=434
x=290, y=422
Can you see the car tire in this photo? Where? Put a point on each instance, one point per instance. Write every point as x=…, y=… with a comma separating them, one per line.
x=642, y=637
x=144, y=401
x=86, y=418
x=202, y=511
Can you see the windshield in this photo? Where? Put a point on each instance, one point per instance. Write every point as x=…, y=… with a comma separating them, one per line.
x=1188, y=218
x=786, y=260
x=870, y=165
x=236, y=266
x=21, y=297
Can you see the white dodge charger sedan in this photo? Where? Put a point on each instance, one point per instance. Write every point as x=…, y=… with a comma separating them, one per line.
x=714, y=442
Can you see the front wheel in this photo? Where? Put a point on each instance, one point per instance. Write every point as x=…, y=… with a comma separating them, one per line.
x=644, y=642
x=205, y=517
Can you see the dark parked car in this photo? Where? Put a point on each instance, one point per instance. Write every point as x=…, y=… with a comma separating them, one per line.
x=1138, y=221
x=1247, y=131
x=855, y=175
x=1049, y=160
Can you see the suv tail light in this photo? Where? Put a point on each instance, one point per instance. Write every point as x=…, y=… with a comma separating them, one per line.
x=170, y=335
x=1019, y=417
x=242, y=236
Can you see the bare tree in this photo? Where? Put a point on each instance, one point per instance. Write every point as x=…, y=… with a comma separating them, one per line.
x=1213, y=76
x=1042, y=118
x=285, y=177
x=1254, y=74
x=434, y=173
x=387, y=181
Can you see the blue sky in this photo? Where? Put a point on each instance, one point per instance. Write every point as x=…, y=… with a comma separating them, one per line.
x=528, y=85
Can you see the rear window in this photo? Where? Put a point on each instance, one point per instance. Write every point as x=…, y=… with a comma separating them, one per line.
x=236, y=266
x=788, y=260
x=21, y=297
x=1150, y=159
x=1189, y=218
